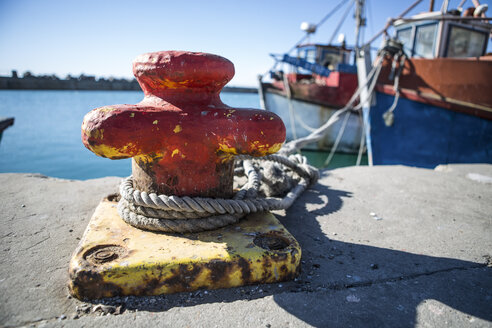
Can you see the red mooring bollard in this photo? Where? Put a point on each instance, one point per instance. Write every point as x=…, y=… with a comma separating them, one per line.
x=182, y=138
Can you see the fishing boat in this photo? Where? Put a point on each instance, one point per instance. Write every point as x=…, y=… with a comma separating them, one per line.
x=433, y=98
x=311, y=82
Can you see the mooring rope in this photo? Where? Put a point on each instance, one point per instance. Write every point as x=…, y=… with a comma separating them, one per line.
x=164, y=213
x=193, y=214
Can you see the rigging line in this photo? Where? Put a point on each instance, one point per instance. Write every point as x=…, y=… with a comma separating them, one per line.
x=461, y=4
x=288, y=94
x=390, y=23
x=369, y=13
x=362, y=140
x=302, y=123
x=337, y=141
x=345, y=14
x=319, y=24
x=293, y=145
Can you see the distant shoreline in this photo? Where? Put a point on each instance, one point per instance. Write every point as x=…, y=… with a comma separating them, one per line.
x=83, y=83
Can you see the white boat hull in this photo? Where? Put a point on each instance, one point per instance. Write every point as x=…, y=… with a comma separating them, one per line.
x=308, y=115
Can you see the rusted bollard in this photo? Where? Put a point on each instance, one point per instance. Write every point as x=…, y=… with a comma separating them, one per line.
x=181, y=137
x=183, y=140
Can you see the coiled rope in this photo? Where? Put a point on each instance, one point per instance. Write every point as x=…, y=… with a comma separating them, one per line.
x=193, y=214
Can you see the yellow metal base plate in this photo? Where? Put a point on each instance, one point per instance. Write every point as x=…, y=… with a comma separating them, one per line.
x=115, y=259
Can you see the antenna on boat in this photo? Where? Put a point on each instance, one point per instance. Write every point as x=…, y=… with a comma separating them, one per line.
x=309, y=28
x=341, y=38
x=344, y=15
x=342, y=2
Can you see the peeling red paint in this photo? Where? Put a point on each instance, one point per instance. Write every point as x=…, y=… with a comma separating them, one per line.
x=181, y=136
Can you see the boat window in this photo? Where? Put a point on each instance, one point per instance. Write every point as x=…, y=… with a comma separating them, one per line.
x=330, y=59
x=425, y=39
x=466, y=43
x=405, y=37
x=309, y=54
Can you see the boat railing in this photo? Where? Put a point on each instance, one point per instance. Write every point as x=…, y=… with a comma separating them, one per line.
x=440, y=18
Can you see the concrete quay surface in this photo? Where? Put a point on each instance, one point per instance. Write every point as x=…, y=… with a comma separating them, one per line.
x=387, y=246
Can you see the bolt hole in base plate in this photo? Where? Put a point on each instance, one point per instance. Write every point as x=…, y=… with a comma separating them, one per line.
x=116, y=259
x=271, y=242
x=103, y=254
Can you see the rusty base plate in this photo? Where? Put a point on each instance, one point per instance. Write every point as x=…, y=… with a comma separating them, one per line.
x=114, y=258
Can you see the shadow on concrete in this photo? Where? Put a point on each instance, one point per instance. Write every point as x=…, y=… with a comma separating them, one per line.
x=350, y=284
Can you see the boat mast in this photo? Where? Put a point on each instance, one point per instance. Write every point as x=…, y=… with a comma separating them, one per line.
x=360, y=22
x=363, y=62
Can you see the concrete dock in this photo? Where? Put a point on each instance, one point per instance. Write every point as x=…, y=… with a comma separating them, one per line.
x=386, y=246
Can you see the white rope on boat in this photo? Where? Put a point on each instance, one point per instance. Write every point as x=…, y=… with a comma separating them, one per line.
x=291, y=108
x=319, y=133
x=293, y=117
x=389, y=116
x=337, y=140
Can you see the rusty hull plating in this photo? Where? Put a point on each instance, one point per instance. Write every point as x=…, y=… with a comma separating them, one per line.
x=116, y=259
x=181, y=137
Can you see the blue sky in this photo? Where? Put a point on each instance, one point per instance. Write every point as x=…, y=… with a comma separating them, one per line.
x=101, y=37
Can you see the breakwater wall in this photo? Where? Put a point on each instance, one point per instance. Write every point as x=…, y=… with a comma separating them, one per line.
x=87, y=83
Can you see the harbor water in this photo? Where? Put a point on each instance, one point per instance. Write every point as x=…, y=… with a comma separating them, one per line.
x=45, y=137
